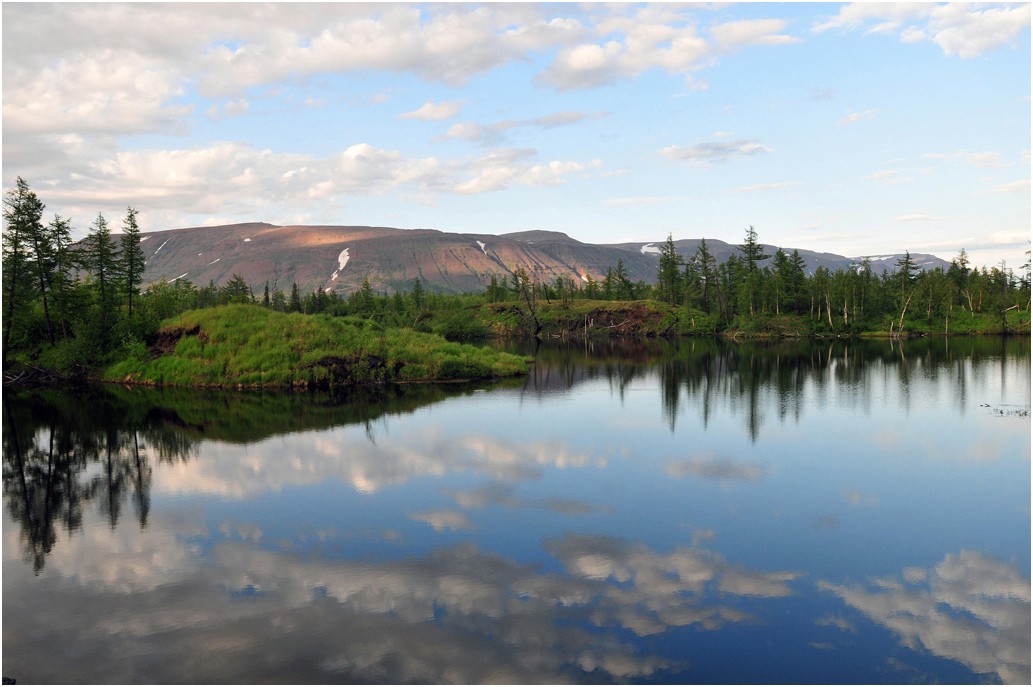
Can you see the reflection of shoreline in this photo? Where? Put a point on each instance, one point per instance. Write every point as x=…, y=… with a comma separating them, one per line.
x=969, y=608
x=747, y=378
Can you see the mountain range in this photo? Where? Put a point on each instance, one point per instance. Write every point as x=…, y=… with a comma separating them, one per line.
x=338, y=258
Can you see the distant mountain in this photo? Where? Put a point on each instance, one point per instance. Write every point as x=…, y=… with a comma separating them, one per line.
x=339, y=257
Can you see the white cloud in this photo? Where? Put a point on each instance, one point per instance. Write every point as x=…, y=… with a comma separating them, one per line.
x=963, y=29
x=986, y=159
x=705, y=153
x=431, y=111
x=853, y=117
x=759, y=188
x=493, y=134
x=890, y=176
x=655, y=38
x=1014, y=187
x=639, y=200
x=737, y=34
x=919, y=217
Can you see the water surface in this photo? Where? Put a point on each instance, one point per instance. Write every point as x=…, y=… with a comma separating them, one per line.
x=700, y=512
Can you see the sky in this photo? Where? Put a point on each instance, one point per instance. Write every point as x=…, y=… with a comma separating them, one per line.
x=856, y=129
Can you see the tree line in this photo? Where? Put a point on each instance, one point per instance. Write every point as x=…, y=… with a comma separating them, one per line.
x=87, y=301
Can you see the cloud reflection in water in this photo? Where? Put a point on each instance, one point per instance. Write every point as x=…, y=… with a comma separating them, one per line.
x=969, y=608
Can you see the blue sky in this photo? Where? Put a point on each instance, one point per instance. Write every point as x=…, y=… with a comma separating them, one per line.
x=858, y=129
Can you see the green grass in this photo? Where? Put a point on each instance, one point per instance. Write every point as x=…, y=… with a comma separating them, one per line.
x=250, y=346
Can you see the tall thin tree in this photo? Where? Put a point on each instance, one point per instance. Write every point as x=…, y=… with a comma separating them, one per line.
x=23, y=212
x=130, y=258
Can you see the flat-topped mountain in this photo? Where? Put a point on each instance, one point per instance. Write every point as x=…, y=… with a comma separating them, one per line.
x=338, y=258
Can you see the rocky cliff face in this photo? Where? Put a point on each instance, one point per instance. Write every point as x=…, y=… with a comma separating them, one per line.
x=338, y=258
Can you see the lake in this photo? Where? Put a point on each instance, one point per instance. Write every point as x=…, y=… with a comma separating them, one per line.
x=653, y=512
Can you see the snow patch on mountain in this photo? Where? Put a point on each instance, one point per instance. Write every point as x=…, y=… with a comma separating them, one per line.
x=144, y=238
x=160, y=247
x=180, y=276
x=484, y=248
x=214, y=261
x=342, y=260
x=650, y=248
x=247, y=239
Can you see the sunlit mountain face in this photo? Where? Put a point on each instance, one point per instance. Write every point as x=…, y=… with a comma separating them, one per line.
x=338, y=258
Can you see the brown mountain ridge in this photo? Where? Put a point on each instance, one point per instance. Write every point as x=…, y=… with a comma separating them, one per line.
x=338, y=258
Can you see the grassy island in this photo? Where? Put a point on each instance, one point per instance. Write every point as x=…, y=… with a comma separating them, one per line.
x=247, y=346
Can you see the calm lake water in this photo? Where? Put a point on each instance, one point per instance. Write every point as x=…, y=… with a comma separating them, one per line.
x=699, y=512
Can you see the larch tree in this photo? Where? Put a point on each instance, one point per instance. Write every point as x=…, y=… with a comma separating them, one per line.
x=130, y=258
x=102, y=262
x=669, y=273
x=23, y=212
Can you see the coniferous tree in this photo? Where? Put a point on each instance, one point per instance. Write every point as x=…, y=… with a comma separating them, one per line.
x=705, y=266
x=669, y=274
x=102, y=262
x=752, y=250
x=417, y=293
x=130, y=258
x=23, y=212
x=622, y=282
x=65, y=259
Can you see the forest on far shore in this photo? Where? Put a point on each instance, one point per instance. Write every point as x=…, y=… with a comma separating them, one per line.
x=74, y=306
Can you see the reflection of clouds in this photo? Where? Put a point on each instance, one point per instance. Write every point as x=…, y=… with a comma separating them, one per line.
x=657, y=591
x=458, y=615
x=238, y=471
x=856, y=498
x=706, y=466
x=121, y=560
x=969, y=608
x=499, y=494
x=836, y=621
x=442, y=519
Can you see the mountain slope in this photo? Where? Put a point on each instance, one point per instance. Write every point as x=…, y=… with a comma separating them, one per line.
x=338, y=258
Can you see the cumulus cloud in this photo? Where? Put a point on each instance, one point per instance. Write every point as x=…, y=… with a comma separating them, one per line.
x=228, y=177
x=963, y=29
x=704, y=154
x=968, y=608
x=655, y=38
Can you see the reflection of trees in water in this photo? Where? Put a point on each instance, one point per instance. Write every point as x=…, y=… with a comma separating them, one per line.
x=754, y=379
x=65, y=451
